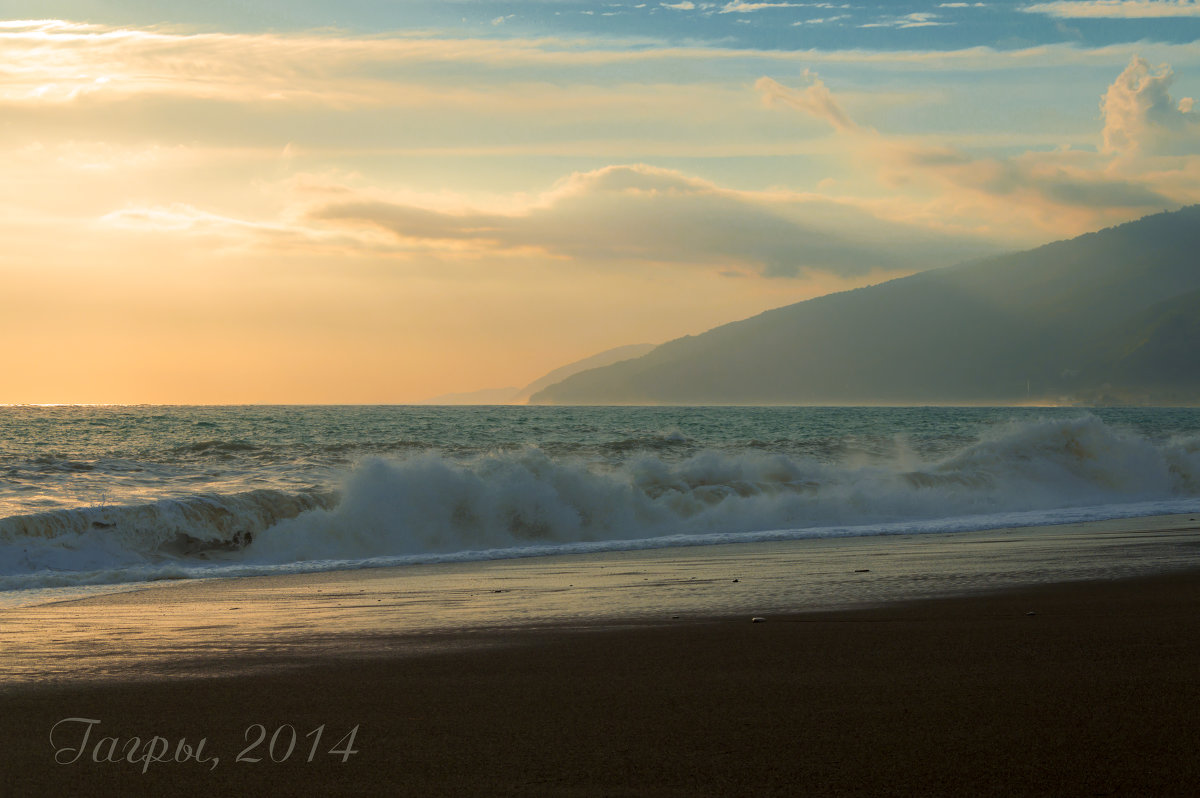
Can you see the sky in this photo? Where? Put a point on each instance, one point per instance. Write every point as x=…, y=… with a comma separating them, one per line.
x=370, y=201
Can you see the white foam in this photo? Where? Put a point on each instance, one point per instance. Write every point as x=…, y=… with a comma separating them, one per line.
x=432, y=507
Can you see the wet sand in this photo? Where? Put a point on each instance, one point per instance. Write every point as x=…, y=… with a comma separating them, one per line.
x=1076, y=688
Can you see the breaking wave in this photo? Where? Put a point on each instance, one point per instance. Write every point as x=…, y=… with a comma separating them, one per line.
x=104, y=544
x=431, y=506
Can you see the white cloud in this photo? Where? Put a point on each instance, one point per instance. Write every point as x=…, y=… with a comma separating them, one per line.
x=685, y=5
x=1116, y=9
x=1140, y=116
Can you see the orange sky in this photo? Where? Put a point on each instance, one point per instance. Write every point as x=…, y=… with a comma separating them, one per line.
x=193, y=215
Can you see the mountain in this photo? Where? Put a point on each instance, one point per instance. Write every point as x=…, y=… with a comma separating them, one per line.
x=1111, y=316
x=605, y=358
x=519, y=396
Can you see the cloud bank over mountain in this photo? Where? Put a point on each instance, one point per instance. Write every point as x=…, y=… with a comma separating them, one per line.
x=643, y=214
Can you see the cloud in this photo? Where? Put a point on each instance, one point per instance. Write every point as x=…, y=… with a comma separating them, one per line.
x=1073, y=179
x=685, y=5
x=815, y=99
x=917, y=19
x=642, y=214
x=821, y=20
x=1141, y=117
x=1116, y=9
x=226, y=233
x=355, y=102
x=747, y=8
x=172, y=218
x=1059, y=189
x=54, y=62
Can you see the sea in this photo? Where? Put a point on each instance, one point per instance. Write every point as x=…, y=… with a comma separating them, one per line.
x=96, y=498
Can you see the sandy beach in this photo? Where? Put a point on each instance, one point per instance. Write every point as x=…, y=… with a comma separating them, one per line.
x=1059, y=661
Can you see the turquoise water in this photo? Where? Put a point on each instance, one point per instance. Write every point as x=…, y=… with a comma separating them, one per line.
x=101, y=495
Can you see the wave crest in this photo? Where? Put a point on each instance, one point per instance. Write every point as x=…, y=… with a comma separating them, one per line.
x=447, y=505
x=104, y=537
x=431, y=504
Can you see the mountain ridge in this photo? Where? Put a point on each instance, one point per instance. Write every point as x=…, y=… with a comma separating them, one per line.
x=1047, y=324
x=515, y=396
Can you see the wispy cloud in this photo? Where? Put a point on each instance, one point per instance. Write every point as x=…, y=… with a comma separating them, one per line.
x=1071, y=179
x=747, y=8
x=178, y=217
x=371, y=99
x=821, y=20
x=1148, y=161
x=814, y=99
x=225, y=233
x=1116, y=9
x=917, y=19
x=54, y=61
